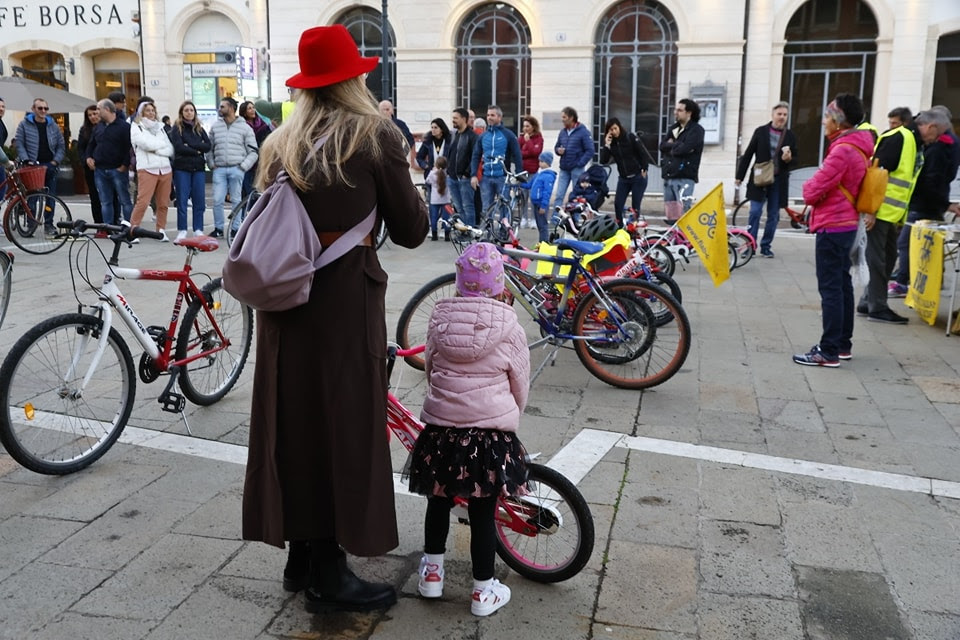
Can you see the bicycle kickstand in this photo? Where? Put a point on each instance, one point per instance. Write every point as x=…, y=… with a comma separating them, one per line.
x=173, y=402
x=549, y=360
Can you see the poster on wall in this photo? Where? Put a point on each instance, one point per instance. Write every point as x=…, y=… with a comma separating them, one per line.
x=204, y=93
x=710, y=118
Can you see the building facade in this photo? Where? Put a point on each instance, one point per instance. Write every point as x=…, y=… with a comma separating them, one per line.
x=630, y=58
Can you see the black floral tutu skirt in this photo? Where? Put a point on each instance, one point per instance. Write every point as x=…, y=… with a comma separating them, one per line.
x=467, y=463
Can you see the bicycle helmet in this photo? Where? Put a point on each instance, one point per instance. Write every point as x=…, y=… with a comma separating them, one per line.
x=599, y=229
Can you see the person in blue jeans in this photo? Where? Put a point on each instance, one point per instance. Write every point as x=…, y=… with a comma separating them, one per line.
x=575, y=148
x=190, y=144
x=772, y=141
x=108, y=154
x=39, y=140
x=459, y=154
x=540, y=190
x=233, y=150
x=497, y=149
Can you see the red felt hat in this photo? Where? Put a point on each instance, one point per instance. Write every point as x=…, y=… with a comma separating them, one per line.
x=329, y=55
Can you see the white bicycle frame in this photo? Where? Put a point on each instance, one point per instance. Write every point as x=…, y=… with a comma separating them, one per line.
x=112, y=298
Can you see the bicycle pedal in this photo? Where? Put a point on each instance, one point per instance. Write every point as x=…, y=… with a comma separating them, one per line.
x=172, y=402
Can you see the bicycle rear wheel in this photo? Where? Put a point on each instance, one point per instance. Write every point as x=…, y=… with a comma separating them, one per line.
x=6, y=280
x=207, y=379
x=743, y=244
x=382, y=234
x=50, y=421
x=618, y=340
x=741, y=215
x=412, y=326
x=548, y=534
x=238, y=214
x=26, y=226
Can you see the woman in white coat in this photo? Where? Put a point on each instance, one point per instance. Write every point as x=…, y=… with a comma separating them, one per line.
x=154, y=173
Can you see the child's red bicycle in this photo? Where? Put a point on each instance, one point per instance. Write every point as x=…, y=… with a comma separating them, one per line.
x=546, y=535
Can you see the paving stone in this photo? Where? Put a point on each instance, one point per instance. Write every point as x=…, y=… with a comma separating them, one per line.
x=848, y=605
x=873, y=448
x=791, y=415
x=657, y=515
x=243, y=609
x=219, y=517
x=661, y=582
x=38, y=593
x=816, y=447
x=620, y=632
x=731, y=427
x=849, y=408
x=918, y=569
x=826, y=535
x=741, y=558
x=18, y=497
x=156, y=582
x=934, y=626
x=24, y=538
x=738, y=494
x=80, y=627
x=725, y=617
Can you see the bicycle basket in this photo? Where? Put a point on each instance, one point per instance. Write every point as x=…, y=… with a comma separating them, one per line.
x=32, y=177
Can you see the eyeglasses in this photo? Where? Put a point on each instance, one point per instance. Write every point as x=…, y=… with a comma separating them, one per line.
x=42, y=108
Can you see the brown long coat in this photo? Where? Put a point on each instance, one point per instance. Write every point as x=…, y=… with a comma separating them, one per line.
x=319, y=463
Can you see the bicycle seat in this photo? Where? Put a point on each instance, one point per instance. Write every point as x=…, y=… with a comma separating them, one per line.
x=201, y=243
x=580, y=246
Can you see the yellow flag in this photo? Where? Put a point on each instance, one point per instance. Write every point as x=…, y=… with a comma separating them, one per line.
x=926, y=271
x=705, y=226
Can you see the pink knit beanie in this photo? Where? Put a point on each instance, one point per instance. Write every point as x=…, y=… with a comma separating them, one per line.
x=480, y=271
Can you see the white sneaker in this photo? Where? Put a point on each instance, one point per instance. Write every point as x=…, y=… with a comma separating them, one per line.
x=431, y=579
x=164, y=233
x=198, y=233
x=488, y=600
x=135, y=241
x=180, y=236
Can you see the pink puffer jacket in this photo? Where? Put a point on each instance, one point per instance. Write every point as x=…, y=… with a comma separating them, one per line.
x=843, y=165
x=478, y=365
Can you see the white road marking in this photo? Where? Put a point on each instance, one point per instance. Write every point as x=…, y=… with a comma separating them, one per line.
x=581, y=454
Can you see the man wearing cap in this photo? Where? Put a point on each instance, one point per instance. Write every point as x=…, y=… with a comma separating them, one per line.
x=39, y=140
x=233, y=150
x=931, y=194
x=459, y=154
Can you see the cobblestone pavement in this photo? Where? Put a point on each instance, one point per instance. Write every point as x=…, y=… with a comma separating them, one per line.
x=747, y=497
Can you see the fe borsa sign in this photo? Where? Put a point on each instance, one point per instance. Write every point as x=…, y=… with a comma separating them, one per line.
x=21, y=19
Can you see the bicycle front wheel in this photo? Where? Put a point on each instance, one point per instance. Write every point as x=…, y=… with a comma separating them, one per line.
x=412, y=326
x=546, y=535
x=743, y=244
x=618, y=339
x=52, y=421
x=219, y=339
x=26, y=224
x=6, y=281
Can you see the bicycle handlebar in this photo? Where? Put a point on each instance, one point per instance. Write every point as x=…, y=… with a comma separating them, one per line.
x=118, y=232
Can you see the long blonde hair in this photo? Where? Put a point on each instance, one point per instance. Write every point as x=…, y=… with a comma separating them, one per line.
x=347, y=111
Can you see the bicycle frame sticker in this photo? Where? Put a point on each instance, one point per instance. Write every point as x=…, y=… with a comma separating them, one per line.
x=114, y=296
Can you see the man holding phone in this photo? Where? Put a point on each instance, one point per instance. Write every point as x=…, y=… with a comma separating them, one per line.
x=772, y=141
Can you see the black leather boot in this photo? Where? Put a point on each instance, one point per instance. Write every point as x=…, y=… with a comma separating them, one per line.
x=336, y=588
x=296, y=574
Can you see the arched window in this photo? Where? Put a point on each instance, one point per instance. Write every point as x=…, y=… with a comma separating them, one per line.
x=364, y=24
x=635, y=70
x=493, y=62
x=946, y=77
x=831, y=48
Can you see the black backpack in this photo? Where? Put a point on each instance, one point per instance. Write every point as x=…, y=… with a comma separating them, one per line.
x=598, y=175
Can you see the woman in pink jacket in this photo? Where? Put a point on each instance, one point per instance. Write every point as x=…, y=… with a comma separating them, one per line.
x=833, y=219
x=478, y=375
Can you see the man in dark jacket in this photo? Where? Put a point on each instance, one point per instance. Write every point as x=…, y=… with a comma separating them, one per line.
x=3, y=141
x=39, y=140
x=497, y=149
x=575, y=149
x=772, y=141
x=931, y=195
x=680, y=159
x=108, y=154
x=459, y=155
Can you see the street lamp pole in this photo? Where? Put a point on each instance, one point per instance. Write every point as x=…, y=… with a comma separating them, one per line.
x=384, y=51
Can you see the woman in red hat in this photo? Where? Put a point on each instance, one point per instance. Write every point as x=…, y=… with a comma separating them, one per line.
x=319, y=474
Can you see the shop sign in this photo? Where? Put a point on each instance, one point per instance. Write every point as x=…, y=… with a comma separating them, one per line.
x=214, y=69
x=30, y=15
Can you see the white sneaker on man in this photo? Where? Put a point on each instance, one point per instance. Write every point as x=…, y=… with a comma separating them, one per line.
x=197, y=233
x=490, y=598
x=180, y=236
x=164, y=234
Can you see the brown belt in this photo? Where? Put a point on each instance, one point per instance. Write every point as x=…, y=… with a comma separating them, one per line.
x=327, y=238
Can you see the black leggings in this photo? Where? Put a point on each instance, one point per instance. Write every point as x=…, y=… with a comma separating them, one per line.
x=483, y=533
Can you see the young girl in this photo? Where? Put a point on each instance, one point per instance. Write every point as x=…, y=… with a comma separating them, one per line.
x=439, y=195
x=478, y=374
